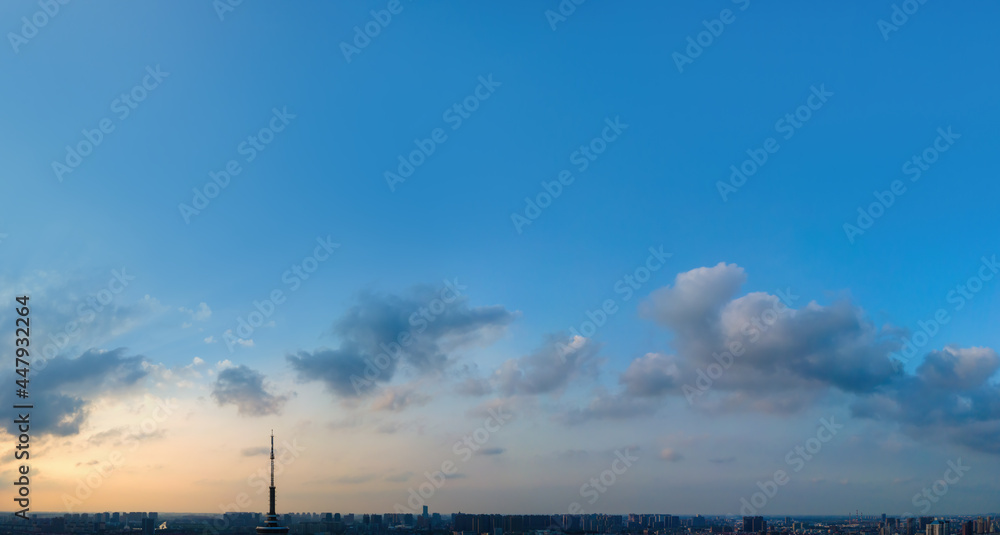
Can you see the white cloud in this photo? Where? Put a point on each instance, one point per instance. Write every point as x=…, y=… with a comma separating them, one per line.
x=245, y=342
x=202, y=313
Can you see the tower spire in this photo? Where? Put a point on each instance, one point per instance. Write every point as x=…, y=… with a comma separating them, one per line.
x=271, y=511
x=271, y=524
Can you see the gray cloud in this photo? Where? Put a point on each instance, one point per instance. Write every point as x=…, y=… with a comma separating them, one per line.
x=695, y=299
x=501, y=406
x=336, y=367
x=749, y=353
x=654, y=374
x=771, y=357
x=607, y=406
x=356, y=480
x=955, y=368
x=399, y=478
x=244, y=387
x=670, y=455
x=549, y=369
x=474, y=387
x=254, y=452
x=950, y=397
x=756, y=353
x=94, y=370
x=75, y=319
x=370, y=331
x=389, y=428
x=398, y=398
x=68, y=385
x=345, y=423
x=573, y=454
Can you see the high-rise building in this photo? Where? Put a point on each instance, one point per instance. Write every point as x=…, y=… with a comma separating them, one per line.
x=148, y=524
x=463, y=522
x=425, y=511
x=271, y=524
x=937, y=527
x=754, y=524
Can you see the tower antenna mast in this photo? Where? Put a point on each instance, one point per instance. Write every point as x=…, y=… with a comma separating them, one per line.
x=271, y=524
x=271, y=511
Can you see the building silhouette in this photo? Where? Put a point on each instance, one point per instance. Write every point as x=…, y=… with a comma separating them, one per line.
x=754, y=524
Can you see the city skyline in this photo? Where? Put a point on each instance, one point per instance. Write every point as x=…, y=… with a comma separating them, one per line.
x=701, y=520
x=517, y=258
x=498, y=524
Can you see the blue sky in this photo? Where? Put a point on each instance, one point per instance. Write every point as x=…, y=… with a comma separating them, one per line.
x=655, y=185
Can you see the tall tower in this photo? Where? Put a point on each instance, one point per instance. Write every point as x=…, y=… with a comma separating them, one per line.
x=271, y=524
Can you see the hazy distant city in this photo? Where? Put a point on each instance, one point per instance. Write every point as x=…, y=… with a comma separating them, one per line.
x=496, y=524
